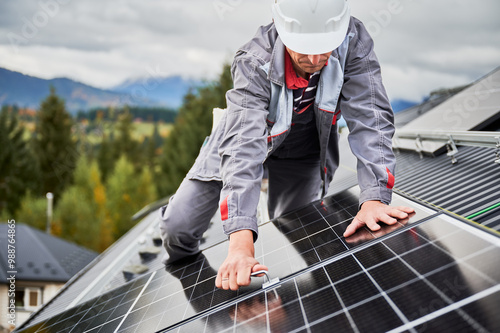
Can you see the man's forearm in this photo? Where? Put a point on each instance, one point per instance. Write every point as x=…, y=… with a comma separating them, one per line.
x=242, y=240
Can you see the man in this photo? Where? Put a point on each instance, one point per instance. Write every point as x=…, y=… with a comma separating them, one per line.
x=291, y=83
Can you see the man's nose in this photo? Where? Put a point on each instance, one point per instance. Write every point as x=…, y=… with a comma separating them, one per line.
x=314, y=58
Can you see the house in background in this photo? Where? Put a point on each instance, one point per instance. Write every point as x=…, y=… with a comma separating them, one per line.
x=44, y=263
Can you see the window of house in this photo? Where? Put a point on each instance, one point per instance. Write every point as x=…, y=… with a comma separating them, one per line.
x=29, y=298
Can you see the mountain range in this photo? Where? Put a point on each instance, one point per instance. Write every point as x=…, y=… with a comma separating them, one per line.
x=29, y=91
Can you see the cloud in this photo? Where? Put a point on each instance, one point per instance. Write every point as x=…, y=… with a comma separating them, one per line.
x=422, y=45
x=425, y=45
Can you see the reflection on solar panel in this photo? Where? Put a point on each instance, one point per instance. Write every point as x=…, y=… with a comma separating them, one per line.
x=431, y=272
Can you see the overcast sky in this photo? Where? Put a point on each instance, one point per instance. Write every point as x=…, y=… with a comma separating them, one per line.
x=422, y=45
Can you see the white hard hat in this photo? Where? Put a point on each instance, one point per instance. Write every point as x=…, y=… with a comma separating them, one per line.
x=311, y=26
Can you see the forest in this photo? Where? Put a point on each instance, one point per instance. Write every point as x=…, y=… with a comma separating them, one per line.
x=101, y=166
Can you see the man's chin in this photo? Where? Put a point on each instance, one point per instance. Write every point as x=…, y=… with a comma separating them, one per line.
x=312, y=69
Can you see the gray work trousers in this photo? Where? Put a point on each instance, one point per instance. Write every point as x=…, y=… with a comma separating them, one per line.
x=292, y=183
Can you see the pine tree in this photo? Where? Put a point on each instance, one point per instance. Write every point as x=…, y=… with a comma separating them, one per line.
x=124, y=143
x=18, y=171
x=151, y=146
x=54, y=146
x=105, y=158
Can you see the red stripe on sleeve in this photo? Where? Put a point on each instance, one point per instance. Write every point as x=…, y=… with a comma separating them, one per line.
x=224, y=211
x=390, y=179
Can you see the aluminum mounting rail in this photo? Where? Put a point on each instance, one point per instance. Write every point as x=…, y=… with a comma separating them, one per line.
x=452, y=139
x=461, y=138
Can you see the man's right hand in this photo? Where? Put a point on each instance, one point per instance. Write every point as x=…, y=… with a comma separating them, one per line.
x=240, y=262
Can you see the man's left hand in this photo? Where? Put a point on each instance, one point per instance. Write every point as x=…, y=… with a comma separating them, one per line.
x=372, y=212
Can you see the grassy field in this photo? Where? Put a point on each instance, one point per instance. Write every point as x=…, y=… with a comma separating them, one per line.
x=94, y=136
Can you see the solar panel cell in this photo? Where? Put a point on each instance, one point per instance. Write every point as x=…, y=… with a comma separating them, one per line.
x=373, y=255
x=416, y=299
x=450, y=322
x=390, y=274
x=338, y=323
x=485, y=311
x=427, y=258
x=342, y=268
x=320, y=303
x=356, y=289
x=375, y=315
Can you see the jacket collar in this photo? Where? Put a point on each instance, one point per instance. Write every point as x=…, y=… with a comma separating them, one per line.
x=276, y=72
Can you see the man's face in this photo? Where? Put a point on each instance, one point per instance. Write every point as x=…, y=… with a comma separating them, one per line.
x=307, y=63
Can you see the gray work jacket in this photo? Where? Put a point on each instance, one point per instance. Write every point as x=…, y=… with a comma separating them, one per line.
x=259, y=113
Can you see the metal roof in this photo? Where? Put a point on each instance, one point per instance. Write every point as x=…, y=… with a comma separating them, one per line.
x=405, y=116
x=466, y=188
x=472, y=109
x=42, y=257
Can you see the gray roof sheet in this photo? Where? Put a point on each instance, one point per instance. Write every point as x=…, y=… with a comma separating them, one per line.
x=472, y=109
x=42, y=257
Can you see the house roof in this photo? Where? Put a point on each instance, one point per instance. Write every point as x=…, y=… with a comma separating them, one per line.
x=436, y=270
x=405, y=116
x=474, y=108
x=42, y=257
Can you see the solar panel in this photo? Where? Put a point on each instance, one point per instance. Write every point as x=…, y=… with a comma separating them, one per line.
x=420, y=272
x=412, y=280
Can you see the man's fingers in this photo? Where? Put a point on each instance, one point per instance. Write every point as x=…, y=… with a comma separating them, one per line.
x=351, y=228
x=372, y=224
x=235, y=277
x=222, y=282
x=233, y=281
x=407, y=210
x=226, y=283
x=218, y=280
x=373, y=211
x=242, y=277
x=259, y=267
x=397, y=213
x=389, y=218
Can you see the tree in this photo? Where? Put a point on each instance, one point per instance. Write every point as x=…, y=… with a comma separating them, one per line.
x=124, y=143
x=127, y=194
x=54, y=146
x=105, y=158
x=75, y=212
x=150, y=147
x=80, y=214
x=146, y=190
x=191, y=127
x=121, y=185
x=18, y=169
x=33, y=211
